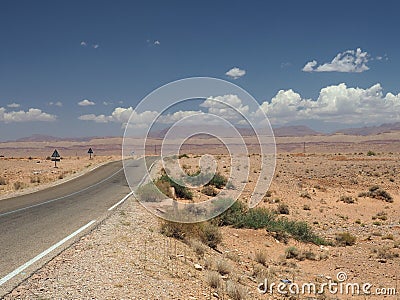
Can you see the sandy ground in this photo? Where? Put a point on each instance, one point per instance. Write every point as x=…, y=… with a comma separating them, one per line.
x=24, y=175
x=126, y=257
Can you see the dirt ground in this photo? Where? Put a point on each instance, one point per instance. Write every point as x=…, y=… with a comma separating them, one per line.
x=22, y=175
x=329, y=187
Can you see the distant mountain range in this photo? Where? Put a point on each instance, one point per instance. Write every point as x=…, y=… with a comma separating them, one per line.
x=283, y=131
x=49, y=138
x=371, y=130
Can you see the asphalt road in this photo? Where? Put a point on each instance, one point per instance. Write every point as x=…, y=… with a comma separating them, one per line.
x=33, y=223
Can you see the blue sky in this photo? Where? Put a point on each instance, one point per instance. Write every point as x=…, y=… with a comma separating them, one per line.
x=55, y=54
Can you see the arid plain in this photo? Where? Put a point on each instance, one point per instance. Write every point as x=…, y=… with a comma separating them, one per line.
x=345, y=187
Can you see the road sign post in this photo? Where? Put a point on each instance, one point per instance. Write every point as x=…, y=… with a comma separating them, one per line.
x=90, y=151
x=55, y=157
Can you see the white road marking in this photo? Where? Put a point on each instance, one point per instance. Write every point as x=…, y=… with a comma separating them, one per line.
x=43, y=254
x=121, y=201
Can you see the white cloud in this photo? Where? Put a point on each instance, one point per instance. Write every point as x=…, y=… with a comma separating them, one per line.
x=86, y=102
x=83, y=44
x=95, y=46
x=121, y=115
x=93, y=117
x=13, y=105
x=33, y=114
x=156, y=42
x=178, y=115
x=229, y=110
x=58, y=103
x=235, y=73
x=336, y=103
x=309, y=67
x=350, y=61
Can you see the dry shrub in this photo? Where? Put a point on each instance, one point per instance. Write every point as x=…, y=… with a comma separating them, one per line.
x=3, y=181
x=198, y=247
x=345, y=239
x=235, y=291
x=206, y=232
x=223, y=267
x=35, y=179
x=18, y=185
x=213, y=279
x=261, y=257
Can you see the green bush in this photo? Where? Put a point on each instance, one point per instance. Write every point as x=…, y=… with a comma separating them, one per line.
x=371, y=153
x=256, y=218
x=218, y=180
x=181, y=190
x=231, y=215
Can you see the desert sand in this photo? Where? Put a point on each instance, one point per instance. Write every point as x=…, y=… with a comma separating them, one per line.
x=327, y=186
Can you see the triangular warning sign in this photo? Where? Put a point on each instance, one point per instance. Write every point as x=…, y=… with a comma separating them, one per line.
x=90, y=151
x=55, y=154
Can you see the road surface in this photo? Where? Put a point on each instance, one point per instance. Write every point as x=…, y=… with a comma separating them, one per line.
x=37, y=226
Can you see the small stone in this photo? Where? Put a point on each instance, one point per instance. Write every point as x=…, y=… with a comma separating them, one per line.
x=215, y=294
x=198, y=267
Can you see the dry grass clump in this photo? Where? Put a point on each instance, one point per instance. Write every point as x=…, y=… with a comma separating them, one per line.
x=347, y=199
x=206, y=232
x=3, y=181
x=385, y=253
x=209, y=191
x=198, y=247
x=377, y=192
x=18, y=185
x=235, y=291
x=35, y=179
x=283, y=209
x=213, y=279
x=345, y=239
x=261, y=257
x=223, y=267
x=293, y=252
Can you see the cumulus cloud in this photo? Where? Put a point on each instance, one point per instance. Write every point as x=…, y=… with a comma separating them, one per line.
x=350, y=61
x=227, y=106
x=93, y=117
x=121, y=115
x=83, y=44
x=157, y=42
x=178, y=115
x=95, y=46
x=309, y=67
x=58, y=103
x=13, y=105
x=235, y=73
x=86, y=102
x=33, y=114
x=336, y=103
